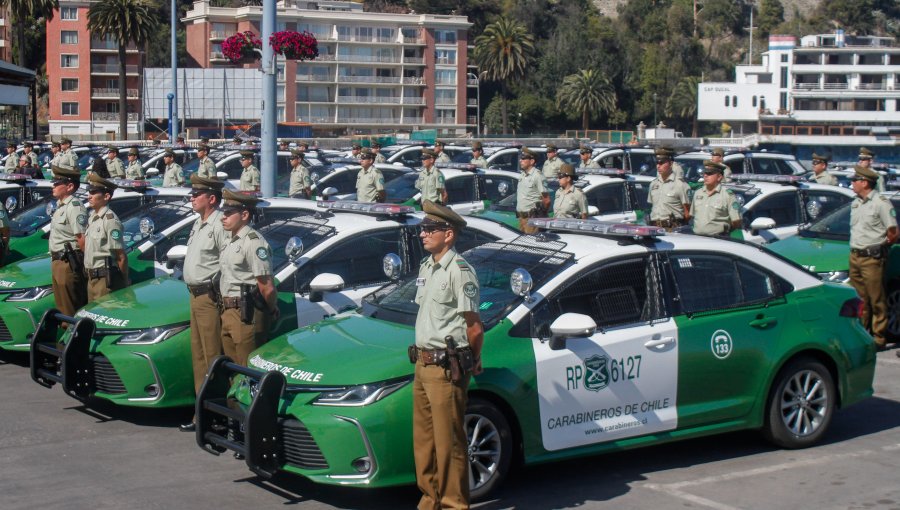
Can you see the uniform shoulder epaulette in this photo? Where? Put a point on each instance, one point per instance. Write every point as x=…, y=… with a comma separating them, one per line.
x=424, y=259
x=110, y=215
x=253, y=235
x=463, y=265
x=729, y=191
x=76, y=202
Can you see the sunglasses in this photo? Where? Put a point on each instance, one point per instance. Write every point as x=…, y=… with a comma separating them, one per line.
x=195, y=194
x=430, y=229
x=229, y=212
x=818, y=162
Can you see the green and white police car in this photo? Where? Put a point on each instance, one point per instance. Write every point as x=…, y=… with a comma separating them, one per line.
x=598, y=337
x=469, y=188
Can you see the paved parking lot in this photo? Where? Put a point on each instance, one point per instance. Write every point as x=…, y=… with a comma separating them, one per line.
x=57, y=453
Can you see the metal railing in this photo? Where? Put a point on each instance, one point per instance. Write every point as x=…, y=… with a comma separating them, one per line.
x=472, y=102
x=216, y=55
x=445, y=120
x=114, y=93
x=109, y=45
x=113, y=117
x=413, y=40
x=414, y=60
x=370, y=100
x=368, y=79
x=445, y=101
x=113, y=68
x=471, y=82
x=471, y=119
x=220, y=34
x=872, y=86
x=366, y=38
x=414, y=80
x=324, y=58
x=379, y=120
x=315, y=77
x=368, y=58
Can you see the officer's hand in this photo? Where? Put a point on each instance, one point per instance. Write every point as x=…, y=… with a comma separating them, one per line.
x=477, y=369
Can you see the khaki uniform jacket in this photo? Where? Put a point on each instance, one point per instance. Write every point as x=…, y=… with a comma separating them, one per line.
x=368, y=184
x=69, y=158
x=115, y=168
x=4, y=219
x=430, y=183
x=300, y=180
x=590, y=164
x=531, y=187
x=69, y=220
x=250, y=179
x=442, y=158
x=551, y=168
x=445, y=290
x=667, y=198
x=479, y=162
x=569, y=204
x=134, y=170
x=714, y=213
x=12, y=161
x=825, y=178
x=207, y=168
x=34, y=158
x=246, y=257
x=173, y=176
x=870, y=219
x=55, y=160
x=103, y=235
x=379, y=158
x=207, y=240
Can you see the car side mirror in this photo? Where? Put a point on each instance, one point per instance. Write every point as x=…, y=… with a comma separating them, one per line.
x=152, y=172
x=593, y=210
x=175, y=255
x=761, y=223
x=322, y=283
x=222, y=176
x=570, y=325
x=329, y=191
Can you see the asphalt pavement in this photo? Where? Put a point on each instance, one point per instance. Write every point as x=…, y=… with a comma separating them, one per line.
x=55, y=452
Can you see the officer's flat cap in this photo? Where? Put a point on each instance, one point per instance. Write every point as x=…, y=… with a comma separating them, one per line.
x=112, y=148
x=712, y=166
x=66, y=172
x=868, y=174
x=295, y=154
x=204, y=140
x=169, y=152
x=367, y=154
x=438, y=214
x=236, y=139
x=66, y=141
x=356, y=147
x=566, y=169
x=816, y=157
x=134, y=151
x=232, y=201
x=28, y=144
x=586, y=150
x=303, y=144
x=664, y=154
x=203, y=148
x=865, y=153
x=376, y=145
x=718, y=152
x=97, y=183
x=52, y=144
x=206, y=183
x=428, y=153
x=439, y=143
x=476, y=146
x=552, y=148
x=528, y=153
x=247, y=154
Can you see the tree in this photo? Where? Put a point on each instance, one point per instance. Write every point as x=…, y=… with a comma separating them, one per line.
x=25, y=12
x=588, y=92
x=771, y=14
x=503, y=52
x=683, y=101
x=126, y=21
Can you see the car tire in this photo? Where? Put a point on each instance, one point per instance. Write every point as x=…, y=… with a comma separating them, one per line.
x=892, y=299
x=801, y=404
x=489, y=447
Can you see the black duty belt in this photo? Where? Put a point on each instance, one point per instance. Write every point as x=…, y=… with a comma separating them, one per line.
x=199, y=290
x=231, y=302
x=57, y=255
x=97, y=273
x=871, y=251
x=668, y=223
x=435, y=356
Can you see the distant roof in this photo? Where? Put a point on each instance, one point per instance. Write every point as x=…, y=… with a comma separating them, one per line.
x=14, y=73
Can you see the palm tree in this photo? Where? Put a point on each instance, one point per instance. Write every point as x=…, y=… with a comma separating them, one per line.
x=503, y=52
x=683, y=101
x=125, y=21
x=25, y=12
x=587, y=91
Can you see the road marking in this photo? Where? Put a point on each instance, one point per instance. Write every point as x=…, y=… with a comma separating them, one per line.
x=889, y=361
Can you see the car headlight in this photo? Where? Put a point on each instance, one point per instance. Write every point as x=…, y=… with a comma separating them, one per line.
x=835, y=276
x=361, y=395
x=152, y=335
x=32, y=294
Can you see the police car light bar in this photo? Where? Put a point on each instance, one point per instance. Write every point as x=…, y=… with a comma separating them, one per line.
x=468, y=167
x=409, y=143
x=597, y=227
x=342, y=159
x=612, y=172
x=14, y=177
x=131, y=184
x=780, y=179
x=365, y=207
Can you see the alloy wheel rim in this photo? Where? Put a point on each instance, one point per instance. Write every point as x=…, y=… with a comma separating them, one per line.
x=484, y=450
x=804, y=403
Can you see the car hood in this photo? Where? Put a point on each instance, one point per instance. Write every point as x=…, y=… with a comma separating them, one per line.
x=346, y=350
x=817, y=255
x=31, y=272
x=504, y=217
x=156, y=302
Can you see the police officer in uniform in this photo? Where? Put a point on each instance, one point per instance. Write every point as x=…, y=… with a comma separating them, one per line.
x=28, y=150
x=55, y=150
x=250, y=175
x=570, y=201
x=369, y=181
x=356, y=151
x=172, y=177
x=866, y=158
x=431, y=180
x=67, y=228
x=69, y=158
x=820, y=172
x=718, y=156
x=245, y=261
x=478, y=155
x=668, y=196
x=553, y=164
x=440, y=155
x=448, y=297
x=873, y=227
x=113, y=164
x=105, y=263
x=12, y=159
x=586, y=161
x=134, y=170
x=532, y=199
x=376, y=149
x=301, y=183
x=207, y=168
x=201, y=272
x=715, y=209
x=284, y=145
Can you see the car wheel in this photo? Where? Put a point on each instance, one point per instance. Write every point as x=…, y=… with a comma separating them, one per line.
x=801, y=404
x=490, y=447
x=893, y=310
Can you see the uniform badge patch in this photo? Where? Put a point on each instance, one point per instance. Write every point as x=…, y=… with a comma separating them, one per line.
x=115, y=234
x=381, y=180
x=262, y=253
x=82, y=219
x=893, y=212
x=736, y=206
x=469, y=289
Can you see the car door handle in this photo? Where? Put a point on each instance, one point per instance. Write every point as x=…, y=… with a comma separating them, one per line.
x=659, y=343
x=763, y=322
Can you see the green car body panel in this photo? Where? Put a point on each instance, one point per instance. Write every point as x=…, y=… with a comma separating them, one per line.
x=816, y=254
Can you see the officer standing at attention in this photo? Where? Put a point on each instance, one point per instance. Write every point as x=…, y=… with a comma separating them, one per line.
x=55, y=150
x=376, y=149
x=4, y=235
x=12, y=159
x=820, y=174
x=356, y=151
x=440, y=155
x=134, y=170
x=250, y=175
x=207, y=168
x=67, y=237
x=553, y=164
x=448, y=296
x=201, y=271
x=532, y=199
x=718, y=156
x=478, y=155
x=668, y=196
x=114, y=164
x=369, y=181
x=873, y=228
x=28, y=150
x=586, y=161
x=284, y=145
x=105, y=262
x=715, y=209
x=570, y=201
x=301, y=183
x=866, y=158
x=172, y=177
x=69, y=158
x=431, y=180
x=246, y=264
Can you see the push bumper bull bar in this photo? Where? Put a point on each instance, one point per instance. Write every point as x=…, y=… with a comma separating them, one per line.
x=69, y=364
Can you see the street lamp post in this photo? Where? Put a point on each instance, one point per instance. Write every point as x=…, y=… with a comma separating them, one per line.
x=654, y=108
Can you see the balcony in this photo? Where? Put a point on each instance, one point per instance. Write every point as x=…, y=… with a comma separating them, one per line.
x=445, y=102
x=113, y=117
x=471, y=119
x=445, y=120
x=815, y=87
x=445, y=82
x=315, y=77
x=414, y=80
x=369, y=79
x=366, y=38
x=414, y=40
x=368, y=58
x=111, y=46
x=112, y=69
x=220, y=35
x=472, y=102
x=217, y=56
x=369, y=99
x=107, y=93
x=379, y=120
x=414, y=60
x=872, y=86
x=324, y=58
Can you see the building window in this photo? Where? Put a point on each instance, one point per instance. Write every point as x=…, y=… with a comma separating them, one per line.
x=69, y=85
x=69, y=37
x=445, y=96
x=783, y=101
x=445, y=36
x=734, y=101
x=70, y=108
x=754, y=101
x=445, y=76
x=446, y=116
x=727, y=101
x=68, y=13
x=784, y=77
x=784, y=58
x=445, y=57
x=68, y=61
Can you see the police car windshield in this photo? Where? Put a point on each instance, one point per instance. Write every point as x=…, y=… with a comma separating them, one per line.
x=26, y=221
x=163, y=213
x=277, y=226
x=693, y=168
x=402, y=188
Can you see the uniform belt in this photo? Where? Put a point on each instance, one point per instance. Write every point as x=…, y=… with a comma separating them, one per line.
x=57, y=255
x=199, y=290
x=871, y=251
x=520, y=214
x=231, y=302
x=668, y=223
x=435, y=356
x=97, y=273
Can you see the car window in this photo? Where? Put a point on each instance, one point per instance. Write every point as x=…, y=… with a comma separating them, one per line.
x=496, y=188
x=357, y=259
x=163, y=214
x=460, y=189
x=507, y=160
x=736, y=165
x=462, y=157
x=410, y=157
x=469, y=238
x=614, y=160
x=818, y=203
x=232, y=167
x=693, y=169
x=344, y=182
x=160, y=249
x=642, y=163
x=609, y=198
x=641, y=191
x=401, y=188
x=783, y=208
x=770, y=166
x=705, y=282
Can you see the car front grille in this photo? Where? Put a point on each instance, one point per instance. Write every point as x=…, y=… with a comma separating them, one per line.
x=298, y=448
x=106, y=379
x=5, y=335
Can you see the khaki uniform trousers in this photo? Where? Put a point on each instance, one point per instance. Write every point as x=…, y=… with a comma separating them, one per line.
x=866, y=276
x=239, y=339
x=440, y=446
x=69, y=291
x=96, y=287
x=206, y=336
x=525, y=227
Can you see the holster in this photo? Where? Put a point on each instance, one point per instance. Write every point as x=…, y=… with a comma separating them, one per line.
x=109, y=270
x=413, y=353
x=247, y=307
x=215, y=293
x=456, y=371
x=74, y=258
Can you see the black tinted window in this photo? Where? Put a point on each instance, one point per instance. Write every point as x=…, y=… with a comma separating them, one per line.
x=770, y=166
x=357, y=260
x=643, y=163
x=714, y=282
x=818, y=204
x=609, y=198
x=411, y=158
x=784, y=208
x=506, y=161
x=460, y=189
x=496, y=188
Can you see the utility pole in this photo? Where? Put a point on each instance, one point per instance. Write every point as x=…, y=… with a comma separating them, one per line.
x=173, y=116
x=269, y=106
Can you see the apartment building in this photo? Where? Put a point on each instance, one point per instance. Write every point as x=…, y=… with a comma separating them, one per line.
x=375, y=71
x=828, y=85
x=6, y=35
x=83, y=74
